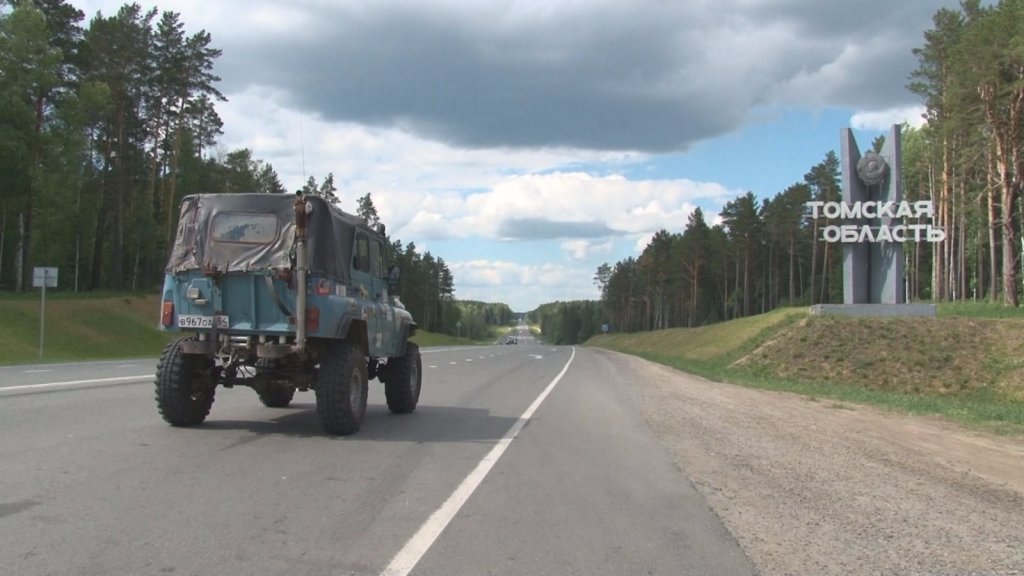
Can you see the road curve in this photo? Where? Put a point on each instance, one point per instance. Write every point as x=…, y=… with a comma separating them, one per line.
x=93, y=482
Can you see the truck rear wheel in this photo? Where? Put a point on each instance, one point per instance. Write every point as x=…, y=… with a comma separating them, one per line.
x=402, y=379
x=184, y=385
x=341, y=389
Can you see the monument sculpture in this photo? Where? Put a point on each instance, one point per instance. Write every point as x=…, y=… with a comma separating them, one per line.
x=875, y=222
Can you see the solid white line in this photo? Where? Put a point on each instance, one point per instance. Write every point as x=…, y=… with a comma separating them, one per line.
x=26, y=387
x=424, y=538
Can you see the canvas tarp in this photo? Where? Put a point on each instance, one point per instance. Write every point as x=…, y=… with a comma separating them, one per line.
x=256, y=233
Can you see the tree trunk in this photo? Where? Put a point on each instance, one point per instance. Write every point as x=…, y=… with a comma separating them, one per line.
x=792, y=270
x=814, y=258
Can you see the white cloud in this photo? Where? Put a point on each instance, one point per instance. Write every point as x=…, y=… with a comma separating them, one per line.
x=883, y=120
x=583, y=250
x=520, y=286
x=642, y=240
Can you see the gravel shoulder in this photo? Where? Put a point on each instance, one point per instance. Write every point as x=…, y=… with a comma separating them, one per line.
x=814, y=486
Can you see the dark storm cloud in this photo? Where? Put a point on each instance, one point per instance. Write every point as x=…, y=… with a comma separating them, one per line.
x=541, y=229
x=645, y=75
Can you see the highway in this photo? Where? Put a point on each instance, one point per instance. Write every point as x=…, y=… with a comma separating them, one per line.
x=520, y=459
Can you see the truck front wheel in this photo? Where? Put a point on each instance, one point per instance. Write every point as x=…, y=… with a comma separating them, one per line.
x=184, y=385
x=402, y=377
x=341, y=388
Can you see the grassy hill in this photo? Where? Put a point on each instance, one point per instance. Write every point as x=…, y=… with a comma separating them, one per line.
x=967, y=365
x=80, y=327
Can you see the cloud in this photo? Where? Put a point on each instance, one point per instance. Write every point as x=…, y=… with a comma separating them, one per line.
x=521, y=286
x=648, y=76
x=583, y=250
x=884, y=119
x=554, y=206
x=542, y=229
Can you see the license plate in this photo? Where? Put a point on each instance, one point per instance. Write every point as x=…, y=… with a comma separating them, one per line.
x=198, y=321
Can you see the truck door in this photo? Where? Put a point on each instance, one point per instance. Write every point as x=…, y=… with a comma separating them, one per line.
x=386, y=314
x=364, y=286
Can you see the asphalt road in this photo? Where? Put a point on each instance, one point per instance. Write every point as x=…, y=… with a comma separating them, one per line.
x=521, y=459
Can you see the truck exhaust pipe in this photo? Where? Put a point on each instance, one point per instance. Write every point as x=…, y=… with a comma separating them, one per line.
x=303, y=269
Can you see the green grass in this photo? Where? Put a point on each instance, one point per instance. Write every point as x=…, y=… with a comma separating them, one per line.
x=967, y=365
x=77, y=327
x=979, y=309
x=425, y=339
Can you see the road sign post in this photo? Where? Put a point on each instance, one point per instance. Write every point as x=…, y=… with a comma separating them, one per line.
x=43, y=277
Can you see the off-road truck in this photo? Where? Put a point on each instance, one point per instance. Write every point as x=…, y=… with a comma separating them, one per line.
x=282, y=293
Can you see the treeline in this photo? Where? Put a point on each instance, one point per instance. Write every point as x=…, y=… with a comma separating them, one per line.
x=105, y=127
x=569, y=322
x=763, y=254
x=968, y=160
x=478, y=319
x=102, y=130
x=427, y=288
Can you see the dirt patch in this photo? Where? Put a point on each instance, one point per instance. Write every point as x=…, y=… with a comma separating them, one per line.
x=819, y=487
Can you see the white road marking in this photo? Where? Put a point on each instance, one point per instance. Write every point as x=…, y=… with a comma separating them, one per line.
x=410, y=554
x=71, y=384
x=37, y=371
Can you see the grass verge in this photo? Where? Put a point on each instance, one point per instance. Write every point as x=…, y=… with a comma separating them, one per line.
x=965, y=366
x=94, y=327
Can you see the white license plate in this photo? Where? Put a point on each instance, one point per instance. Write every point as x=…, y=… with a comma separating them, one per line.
x=198, y=321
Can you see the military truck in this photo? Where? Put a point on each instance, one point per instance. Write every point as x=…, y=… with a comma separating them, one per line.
x=281, y=294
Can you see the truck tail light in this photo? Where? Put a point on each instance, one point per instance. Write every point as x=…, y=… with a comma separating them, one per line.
x=167, y=313
x=312, y=319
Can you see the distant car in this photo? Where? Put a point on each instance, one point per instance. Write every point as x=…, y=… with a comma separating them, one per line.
x=511, y=340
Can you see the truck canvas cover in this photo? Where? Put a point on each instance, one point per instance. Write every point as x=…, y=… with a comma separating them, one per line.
x=256, y=233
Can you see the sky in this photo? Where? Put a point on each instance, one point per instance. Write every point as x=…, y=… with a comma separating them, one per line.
x=528, y=142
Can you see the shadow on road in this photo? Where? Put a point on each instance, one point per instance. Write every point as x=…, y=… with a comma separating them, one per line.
x=426, y=424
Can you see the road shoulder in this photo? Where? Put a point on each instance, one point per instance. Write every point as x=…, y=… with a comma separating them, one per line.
x=821, y=487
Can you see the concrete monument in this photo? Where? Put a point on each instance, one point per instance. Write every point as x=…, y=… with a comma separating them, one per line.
x=875, y=221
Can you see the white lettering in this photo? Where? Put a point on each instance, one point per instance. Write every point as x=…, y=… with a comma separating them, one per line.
x=936, y=234
x=924, y=209
x=814, y=205
x=853, y=233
